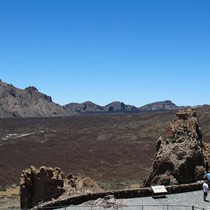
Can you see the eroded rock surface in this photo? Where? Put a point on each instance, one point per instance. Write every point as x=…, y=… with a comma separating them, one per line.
x=179, y=156
x=46, y=184
x=39, y=185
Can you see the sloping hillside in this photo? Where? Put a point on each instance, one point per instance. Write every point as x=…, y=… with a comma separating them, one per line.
x=29, y=102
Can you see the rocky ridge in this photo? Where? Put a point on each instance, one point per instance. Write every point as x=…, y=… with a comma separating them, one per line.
x=15, y=102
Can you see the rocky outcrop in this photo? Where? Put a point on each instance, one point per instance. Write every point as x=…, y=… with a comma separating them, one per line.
x=179, y=156
x=107, y=201
x=40, y=185
x=46, y=184
x=78, y=185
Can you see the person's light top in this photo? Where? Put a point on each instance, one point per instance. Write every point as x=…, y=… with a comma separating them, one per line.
x=205, y=187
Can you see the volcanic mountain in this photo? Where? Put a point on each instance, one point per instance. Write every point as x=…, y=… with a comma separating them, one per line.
x=159, y=106
x=29, y=102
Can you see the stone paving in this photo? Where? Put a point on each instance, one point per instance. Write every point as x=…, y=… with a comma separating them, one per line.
x=181, y=201
x=175, y=201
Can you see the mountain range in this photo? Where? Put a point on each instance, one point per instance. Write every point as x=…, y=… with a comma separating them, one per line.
x=29, y=102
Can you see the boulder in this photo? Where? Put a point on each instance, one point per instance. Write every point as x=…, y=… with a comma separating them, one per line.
x=81, y=185
x=179, y=156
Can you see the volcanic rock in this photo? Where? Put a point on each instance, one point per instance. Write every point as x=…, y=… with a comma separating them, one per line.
x=45, y=184
x=40, y=185
x=179, y=156
x=78, y=185
x=106, y=202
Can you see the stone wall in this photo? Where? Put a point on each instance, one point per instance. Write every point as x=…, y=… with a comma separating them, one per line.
x=142, y=192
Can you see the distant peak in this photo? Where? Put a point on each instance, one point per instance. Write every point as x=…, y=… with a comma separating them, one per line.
x=159, y=105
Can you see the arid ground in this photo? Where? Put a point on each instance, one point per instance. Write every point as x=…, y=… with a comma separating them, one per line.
x=116, y=150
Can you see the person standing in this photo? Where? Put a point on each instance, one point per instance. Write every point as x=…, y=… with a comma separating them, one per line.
x=205, y=190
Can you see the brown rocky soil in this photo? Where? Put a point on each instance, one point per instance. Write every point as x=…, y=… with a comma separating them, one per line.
x=115, y=150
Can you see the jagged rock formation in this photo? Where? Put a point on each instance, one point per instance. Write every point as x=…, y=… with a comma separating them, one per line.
x=29, y=102
x=46, y=184
x=159, y=106
x=179, y=156
x=40, y=185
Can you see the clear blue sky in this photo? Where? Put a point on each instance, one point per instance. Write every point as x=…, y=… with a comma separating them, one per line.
x=134, y=51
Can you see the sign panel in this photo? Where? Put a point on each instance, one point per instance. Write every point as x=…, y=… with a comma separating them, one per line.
x=159, y=189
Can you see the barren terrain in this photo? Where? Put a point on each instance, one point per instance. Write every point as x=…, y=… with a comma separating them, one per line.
x=116, y=150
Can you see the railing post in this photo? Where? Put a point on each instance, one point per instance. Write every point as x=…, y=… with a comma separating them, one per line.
x=193, y=208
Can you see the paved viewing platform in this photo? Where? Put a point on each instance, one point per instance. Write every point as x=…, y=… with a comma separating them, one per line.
x=175, y=201
x=179, y=201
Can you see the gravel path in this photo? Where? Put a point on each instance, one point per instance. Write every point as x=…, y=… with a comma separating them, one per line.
x=181, y=201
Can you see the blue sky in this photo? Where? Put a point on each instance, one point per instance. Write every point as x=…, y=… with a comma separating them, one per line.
x=134, y=51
